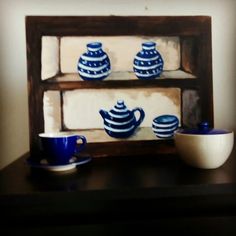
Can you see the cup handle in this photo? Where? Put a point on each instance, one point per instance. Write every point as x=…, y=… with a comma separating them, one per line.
x=82, y=145
x=141, y=116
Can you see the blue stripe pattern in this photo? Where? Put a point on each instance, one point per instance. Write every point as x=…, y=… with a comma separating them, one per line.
x=94, y=64
x=120, y=122
x=165, y=125
x=148, y=63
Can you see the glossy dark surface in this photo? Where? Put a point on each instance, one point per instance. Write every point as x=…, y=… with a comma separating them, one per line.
x=126, y=173
x=110, y=195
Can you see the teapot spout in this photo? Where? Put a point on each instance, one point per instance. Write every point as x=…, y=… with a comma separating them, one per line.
x=103, y=113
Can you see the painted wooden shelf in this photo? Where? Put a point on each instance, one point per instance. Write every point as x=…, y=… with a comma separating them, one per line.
x=100, y=136
x=124, y=76
x=176, y=78
x=100, y=144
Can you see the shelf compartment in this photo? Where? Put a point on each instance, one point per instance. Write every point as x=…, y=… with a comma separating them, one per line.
x=62, y=53
x=67, y=111
x=81, y=107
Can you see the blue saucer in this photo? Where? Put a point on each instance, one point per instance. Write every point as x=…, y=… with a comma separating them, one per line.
x=74, y=162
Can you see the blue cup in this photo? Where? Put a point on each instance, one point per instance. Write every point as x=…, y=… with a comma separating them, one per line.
x=59, y=148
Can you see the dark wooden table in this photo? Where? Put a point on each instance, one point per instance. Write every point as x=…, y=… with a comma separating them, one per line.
x=117, y=196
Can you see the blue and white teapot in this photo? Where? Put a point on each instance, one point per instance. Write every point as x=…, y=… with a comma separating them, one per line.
x=120, y=122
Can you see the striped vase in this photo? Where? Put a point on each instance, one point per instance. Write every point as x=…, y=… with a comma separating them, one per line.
x=120, y=122
x=165, y=125
x=94, y=64
x=148, y=63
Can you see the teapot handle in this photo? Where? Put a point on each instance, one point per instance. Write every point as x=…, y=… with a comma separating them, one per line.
x=141, y=115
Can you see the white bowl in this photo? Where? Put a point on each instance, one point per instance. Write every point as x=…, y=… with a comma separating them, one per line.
x=207, y=151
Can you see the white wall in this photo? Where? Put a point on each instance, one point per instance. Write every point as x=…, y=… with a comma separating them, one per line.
x=14, y=139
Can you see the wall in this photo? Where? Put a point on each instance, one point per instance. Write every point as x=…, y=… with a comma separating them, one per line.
x=14, y=139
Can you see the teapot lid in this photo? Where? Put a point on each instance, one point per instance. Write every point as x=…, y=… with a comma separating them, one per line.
x=119, y=110
x=120, y=106
x=204, y=129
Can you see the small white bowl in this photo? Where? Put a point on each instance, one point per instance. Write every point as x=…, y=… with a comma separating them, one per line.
x=204, y=148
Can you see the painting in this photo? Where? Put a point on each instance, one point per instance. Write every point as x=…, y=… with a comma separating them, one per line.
x=119, y=86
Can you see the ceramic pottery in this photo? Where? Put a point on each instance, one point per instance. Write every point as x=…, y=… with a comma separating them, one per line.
x=58, y=148
x=148, y=63
x=120, y=122
x=165, y=125
x=204, y=147
x=94, y=64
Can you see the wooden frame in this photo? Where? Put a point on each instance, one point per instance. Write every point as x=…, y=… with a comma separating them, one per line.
x=195, y=35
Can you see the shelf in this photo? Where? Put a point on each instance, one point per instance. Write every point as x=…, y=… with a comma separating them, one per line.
x=176, y=78
x=100, y=144
x=124, y=76
x=100, y=136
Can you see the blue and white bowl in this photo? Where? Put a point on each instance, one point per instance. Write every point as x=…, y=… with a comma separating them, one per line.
x=120, y=122
x=164, y=126
x=148, y=63
x=94, y=64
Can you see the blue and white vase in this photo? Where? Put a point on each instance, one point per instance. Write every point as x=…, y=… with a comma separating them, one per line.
x=120, y=122
x=164, y=126
x=148, y=63
x=94, y=64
